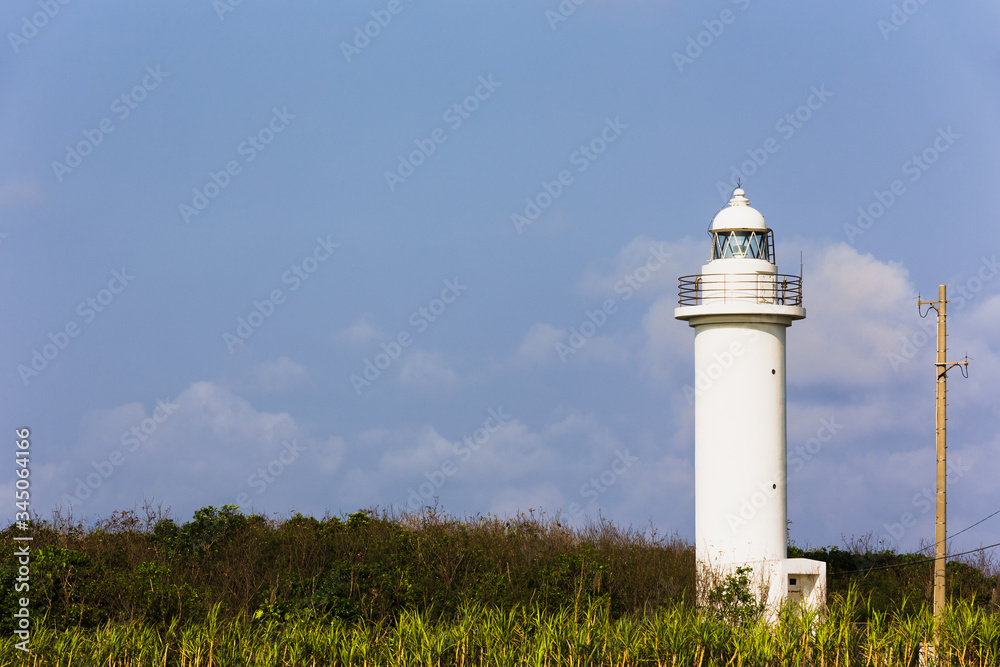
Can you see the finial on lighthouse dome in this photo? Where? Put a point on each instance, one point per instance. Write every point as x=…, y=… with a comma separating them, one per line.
x=738, y=214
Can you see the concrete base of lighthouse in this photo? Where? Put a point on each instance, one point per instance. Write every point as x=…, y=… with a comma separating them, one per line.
x=775, y=584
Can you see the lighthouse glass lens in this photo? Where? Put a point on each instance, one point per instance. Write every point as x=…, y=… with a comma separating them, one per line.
x=739, y=244
x=758, y=246
x=718, y=246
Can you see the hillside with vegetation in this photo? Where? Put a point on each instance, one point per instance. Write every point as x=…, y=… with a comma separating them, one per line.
x=374, y=588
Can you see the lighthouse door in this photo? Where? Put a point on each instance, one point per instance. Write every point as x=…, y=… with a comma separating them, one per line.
x=801, y=588
x=794, y=588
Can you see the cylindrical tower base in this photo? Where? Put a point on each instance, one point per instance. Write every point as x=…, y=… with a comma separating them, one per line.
x=740, y=493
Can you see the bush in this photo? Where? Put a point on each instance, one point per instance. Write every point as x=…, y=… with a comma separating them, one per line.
x=733, y=601
x=377, y=568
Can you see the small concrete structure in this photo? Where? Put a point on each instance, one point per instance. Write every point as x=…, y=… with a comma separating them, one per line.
x=740, y=308
x=797, y=581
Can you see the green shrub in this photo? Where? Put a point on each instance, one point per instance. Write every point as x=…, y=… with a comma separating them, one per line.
x=734, y=601
x=371, y=567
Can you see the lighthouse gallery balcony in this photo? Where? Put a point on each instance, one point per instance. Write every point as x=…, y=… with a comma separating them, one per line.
x=761, y=288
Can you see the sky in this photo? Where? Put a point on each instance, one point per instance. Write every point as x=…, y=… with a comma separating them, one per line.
x=317, y=257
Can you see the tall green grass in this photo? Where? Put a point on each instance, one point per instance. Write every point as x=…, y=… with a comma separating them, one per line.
x=428, y=589
x=528, y=635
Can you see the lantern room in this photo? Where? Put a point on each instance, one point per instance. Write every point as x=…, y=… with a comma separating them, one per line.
x=739, y=232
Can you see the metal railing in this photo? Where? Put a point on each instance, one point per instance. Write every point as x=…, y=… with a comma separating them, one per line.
x=774, y=288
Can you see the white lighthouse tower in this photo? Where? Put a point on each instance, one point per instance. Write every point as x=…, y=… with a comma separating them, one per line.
x=740, y=308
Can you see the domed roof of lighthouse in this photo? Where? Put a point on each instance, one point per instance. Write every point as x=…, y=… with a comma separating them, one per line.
x=738, y=214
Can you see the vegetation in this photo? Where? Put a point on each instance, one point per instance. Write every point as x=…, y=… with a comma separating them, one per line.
x=372, y=588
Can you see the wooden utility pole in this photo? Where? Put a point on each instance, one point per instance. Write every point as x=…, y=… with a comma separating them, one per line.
x=942, y=367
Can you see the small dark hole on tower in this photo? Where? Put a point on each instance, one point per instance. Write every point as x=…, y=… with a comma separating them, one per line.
x=772, y=371
x=774, y=486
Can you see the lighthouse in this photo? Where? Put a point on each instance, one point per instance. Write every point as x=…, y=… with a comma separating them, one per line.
x=741, y=308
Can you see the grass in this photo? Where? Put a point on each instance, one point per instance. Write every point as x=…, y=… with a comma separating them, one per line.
x=587, y=635
x=428, y=589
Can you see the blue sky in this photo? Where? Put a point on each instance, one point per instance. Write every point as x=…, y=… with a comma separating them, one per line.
x=189, y=168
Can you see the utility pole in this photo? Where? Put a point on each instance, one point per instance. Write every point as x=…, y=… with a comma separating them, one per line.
x=942, y=367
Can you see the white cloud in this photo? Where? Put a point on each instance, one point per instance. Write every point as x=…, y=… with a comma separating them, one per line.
x=512, y=467
x=985, y=318
x=360, y=333
x=975, y=333
x=512, y=501
x=539, y=344
x=230, y=418
x=425, y=370
x=203, y=447
x=667, y=354
x=866, y=476
x=858, y=311
x=545, y=344
x=663, y=479
x=279, y=375
x=643, y=267
x=411, y=452
x=514, y=452
x=880, y=467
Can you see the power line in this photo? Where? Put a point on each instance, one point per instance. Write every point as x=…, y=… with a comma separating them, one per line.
x=975, y=524
x=963, y=530
x=919, y=562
